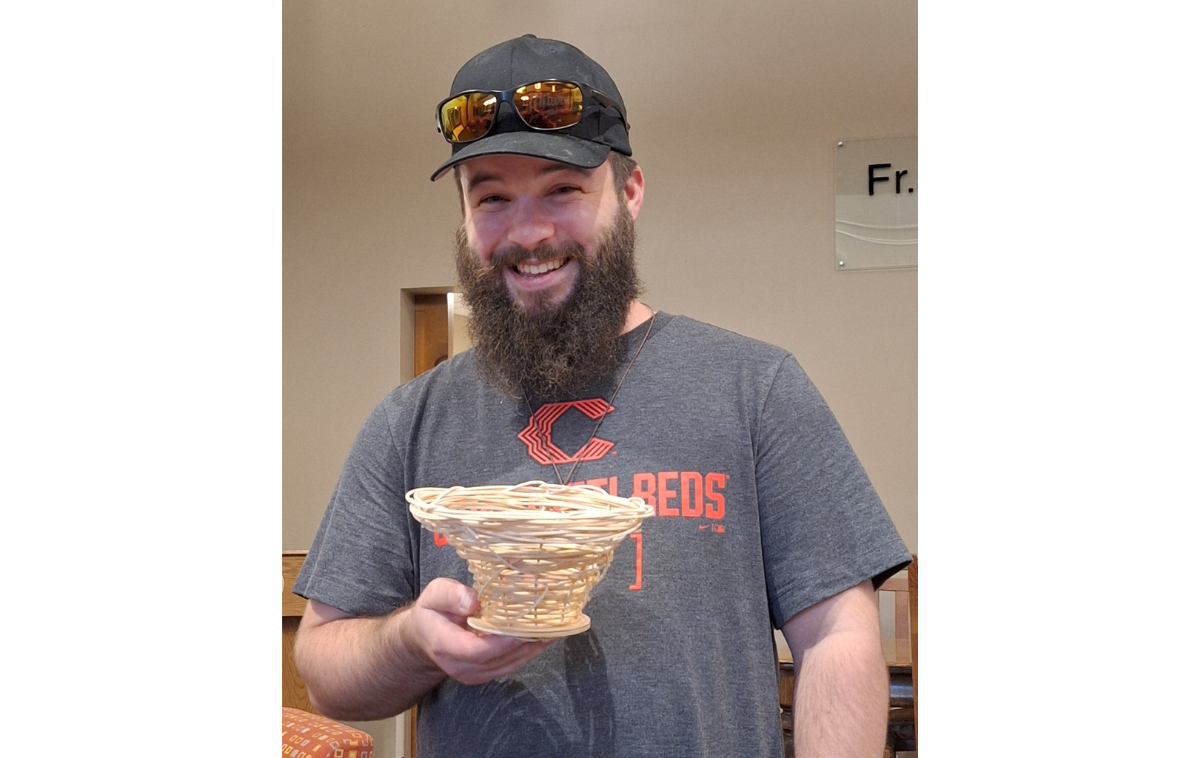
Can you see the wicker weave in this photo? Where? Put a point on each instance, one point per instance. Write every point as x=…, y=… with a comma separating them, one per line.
x=535, y=550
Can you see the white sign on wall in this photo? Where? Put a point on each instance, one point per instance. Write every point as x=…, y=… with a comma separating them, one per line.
x=875, y=203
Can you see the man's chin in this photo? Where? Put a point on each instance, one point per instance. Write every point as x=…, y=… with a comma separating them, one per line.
x=535, y=305
x=532, y=302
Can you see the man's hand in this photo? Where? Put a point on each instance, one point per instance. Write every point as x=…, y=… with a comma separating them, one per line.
x=363, y=669
x=437, y=626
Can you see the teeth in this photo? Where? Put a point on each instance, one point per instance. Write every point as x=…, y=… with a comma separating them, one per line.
x=540, y=268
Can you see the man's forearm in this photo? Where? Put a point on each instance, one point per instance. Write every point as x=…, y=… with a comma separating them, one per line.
x=362, y=669
x=841, y=699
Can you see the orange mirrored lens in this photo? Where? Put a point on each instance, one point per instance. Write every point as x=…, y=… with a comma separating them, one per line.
x=468, y=117
x=549, y=105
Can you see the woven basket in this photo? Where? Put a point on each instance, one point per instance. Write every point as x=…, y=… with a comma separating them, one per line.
x=535, y=550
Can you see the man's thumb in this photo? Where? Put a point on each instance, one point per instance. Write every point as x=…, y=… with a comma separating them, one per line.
x=449, y=596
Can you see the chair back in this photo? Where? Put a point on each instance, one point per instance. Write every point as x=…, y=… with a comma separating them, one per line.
x=895, y=609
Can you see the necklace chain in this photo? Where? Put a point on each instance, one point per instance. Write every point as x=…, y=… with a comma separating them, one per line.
x=611, y=400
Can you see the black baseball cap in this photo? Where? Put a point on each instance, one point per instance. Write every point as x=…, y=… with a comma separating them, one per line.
x=529, y=59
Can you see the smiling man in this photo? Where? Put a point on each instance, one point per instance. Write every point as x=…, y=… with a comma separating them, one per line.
x=764, y=517
x=545, y=258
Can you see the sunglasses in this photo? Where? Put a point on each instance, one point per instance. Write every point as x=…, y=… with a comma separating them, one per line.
x=545, y=106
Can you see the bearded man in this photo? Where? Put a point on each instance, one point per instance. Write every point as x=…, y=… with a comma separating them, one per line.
x=764, y=517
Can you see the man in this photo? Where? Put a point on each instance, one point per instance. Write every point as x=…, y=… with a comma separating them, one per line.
x=764, y=516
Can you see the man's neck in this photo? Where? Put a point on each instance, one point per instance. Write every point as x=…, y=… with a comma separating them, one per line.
x=638, y=314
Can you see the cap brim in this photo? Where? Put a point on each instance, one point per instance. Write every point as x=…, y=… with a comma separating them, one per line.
x=552, y=147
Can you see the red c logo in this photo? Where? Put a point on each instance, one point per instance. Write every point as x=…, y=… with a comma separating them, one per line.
x=536, y=436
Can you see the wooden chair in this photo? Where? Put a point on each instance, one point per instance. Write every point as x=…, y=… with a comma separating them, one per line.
x=900, y=654
x=295, y=694
x=305, y=732
x=912, y=633
x=897, y=650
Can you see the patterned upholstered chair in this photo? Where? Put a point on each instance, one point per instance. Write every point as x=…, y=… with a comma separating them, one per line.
x=307, y=735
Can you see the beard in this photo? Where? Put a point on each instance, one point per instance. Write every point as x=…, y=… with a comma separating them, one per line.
x=546, y=350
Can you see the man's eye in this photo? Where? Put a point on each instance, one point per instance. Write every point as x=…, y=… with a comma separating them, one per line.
x=565, y=190
x=490, y=199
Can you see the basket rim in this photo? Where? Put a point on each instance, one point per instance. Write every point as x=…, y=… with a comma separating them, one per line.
x=603, y=505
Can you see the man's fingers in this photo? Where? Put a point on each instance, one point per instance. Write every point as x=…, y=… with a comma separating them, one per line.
x=461, y=652
x=439, y=618
x=451, y=638
x=501, y=666
x=519, y=654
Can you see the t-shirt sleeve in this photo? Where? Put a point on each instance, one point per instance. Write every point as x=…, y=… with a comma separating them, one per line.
x=824, y=528
x=361, y=560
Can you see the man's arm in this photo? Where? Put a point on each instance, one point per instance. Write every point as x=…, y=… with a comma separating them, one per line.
x=841, y=698
x=363, y=669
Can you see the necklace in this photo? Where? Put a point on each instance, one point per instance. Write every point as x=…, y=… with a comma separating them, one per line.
x=600, y=421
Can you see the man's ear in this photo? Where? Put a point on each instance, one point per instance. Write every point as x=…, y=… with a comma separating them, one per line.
x=462, y=198
x=633, y=191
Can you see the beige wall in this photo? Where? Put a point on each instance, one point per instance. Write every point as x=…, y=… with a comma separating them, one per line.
x=736, y=230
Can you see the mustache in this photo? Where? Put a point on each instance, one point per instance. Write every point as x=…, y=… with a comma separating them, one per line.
x=511, y=256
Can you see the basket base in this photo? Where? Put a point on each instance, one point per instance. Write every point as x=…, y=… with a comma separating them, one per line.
x=550, y=632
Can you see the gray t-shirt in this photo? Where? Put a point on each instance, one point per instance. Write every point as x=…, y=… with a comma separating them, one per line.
x=762, y=511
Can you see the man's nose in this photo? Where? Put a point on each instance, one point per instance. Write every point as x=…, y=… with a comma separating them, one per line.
x=531, y=227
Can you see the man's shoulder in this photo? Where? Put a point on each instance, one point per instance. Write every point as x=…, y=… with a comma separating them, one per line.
x=687, y=332
x=452, y=377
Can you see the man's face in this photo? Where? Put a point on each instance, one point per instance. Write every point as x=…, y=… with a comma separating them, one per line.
x=523, y=215
x=545, y=258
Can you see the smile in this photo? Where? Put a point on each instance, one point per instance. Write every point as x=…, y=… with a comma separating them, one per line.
x=533, y=269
